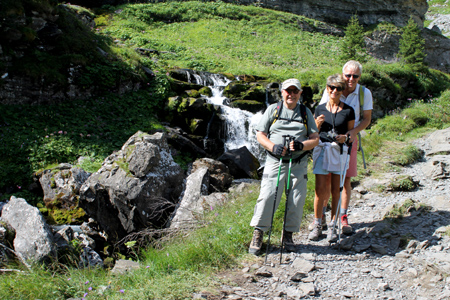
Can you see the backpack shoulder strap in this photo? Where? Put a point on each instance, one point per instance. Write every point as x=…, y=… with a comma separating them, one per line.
x=277, y=112
x=361, y=100
x=304, y=116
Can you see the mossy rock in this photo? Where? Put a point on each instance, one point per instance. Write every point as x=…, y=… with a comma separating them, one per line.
x=402, y=183
x=193, y=93
x=179, y=87
x=256, y=92
x=206, y=91
x=228, y=76
x=249, y=105
x=235, y=90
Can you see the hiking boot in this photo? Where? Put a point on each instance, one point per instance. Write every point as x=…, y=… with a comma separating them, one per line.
x=256, y=243
x=289, y=245
x=332, y=234
x=346, y=229
x=315, y=234
x=324, y=224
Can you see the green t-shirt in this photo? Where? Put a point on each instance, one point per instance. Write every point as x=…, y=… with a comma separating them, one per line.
x=282, y=127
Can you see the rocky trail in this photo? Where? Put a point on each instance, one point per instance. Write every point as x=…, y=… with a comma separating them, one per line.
x=405, y=257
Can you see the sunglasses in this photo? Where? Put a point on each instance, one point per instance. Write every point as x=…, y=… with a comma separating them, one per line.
x=352, y=75
x=338, y=88
x=294, y=91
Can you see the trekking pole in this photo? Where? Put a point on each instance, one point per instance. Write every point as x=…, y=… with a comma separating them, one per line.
x=274, y=203
x=343, y=172
x=290, y=139
x=361, y=149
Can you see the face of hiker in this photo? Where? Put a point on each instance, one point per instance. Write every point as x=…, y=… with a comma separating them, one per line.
x=335, y=91
x=352, y=76
x=291, y=95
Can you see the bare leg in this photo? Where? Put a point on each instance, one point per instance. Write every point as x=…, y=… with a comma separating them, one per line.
x=346, y=193
x=335, y=186
x=322, y=194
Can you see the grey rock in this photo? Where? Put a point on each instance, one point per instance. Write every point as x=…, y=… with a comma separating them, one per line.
x=34, y=239
x=123, y=266
x=123, y=200
x=302, y=266
x=89, y=258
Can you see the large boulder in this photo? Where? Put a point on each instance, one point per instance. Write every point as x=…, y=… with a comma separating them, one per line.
x=196, y=199
x=135, y=188
x=34, y=239
x=219, y=175
x=61, y=185
x=241, y=162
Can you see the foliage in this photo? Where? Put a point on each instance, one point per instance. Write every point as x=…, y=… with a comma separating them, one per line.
x=63, y=132
x=352, y=45
x=398, y=212
x=412, y=46
x=226, y=38
x=402, y=183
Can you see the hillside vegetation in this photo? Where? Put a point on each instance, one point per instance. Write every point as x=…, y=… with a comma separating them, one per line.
x=215, y=37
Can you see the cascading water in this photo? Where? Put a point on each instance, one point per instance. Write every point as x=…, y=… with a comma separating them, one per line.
x=239, y=124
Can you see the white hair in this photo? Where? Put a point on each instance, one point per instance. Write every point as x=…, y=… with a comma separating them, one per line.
x=353, y=64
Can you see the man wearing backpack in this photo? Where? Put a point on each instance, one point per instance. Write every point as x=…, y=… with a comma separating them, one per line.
x=287, y=118
x=360, y=98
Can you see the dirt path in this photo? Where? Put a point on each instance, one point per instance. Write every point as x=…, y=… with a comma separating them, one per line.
x=404, y=257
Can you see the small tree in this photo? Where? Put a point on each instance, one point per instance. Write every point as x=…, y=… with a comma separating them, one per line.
x=352, y=46
x=412, y=46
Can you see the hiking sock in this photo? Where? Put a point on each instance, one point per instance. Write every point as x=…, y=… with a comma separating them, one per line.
x=343, y=211
x=318, y=221
x=324, y=210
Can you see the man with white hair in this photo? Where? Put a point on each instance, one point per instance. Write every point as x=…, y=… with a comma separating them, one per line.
x=351, y=96
x=286, y=118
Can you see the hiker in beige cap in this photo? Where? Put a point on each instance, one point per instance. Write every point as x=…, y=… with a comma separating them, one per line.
x=287, y=131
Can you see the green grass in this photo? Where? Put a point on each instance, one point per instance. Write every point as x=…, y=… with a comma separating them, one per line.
x=216, y=36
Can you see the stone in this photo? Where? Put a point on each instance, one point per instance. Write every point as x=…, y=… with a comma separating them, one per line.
x=241, y=163
x=124, y=266
x=124, y=200
x=302, y=266
x=34, y=239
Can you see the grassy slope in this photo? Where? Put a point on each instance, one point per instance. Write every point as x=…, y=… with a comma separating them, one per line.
x=176, y=269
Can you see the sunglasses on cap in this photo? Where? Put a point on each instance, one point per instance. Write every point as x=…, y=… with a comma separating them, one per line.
x=294, y=91
x=338, y=88
x=352, y=75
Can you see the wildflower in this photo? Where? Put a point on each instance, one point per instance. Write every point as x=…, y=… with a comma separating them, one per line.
x=122, y=291
x=85, y=294
x=69, y=278
x=167, y=253
x=237, y=212
x=216, y=214
x=86, y=282
x=90, y=288
x=147, y=267
x=211, y=207
x=60, y=132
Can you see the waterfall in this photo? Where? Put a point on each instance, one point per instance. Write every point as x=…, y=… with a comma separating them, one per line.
x=239, y=124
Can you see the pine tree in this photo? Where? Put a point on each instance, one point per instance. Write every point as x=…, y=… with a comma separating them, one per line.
x=412, y=46
x=352, y=46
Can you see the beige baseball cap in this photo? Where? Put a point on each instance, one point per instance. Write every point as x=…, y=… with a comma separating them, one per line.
x=291, y=82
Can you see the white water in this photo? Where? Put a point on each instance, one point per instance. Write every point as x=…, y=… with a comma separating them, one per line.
x=239, y=124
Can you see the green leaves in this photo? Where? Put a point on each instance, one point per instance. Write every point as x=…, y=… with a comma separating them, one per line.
x=352, y=46
x=412, y=46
